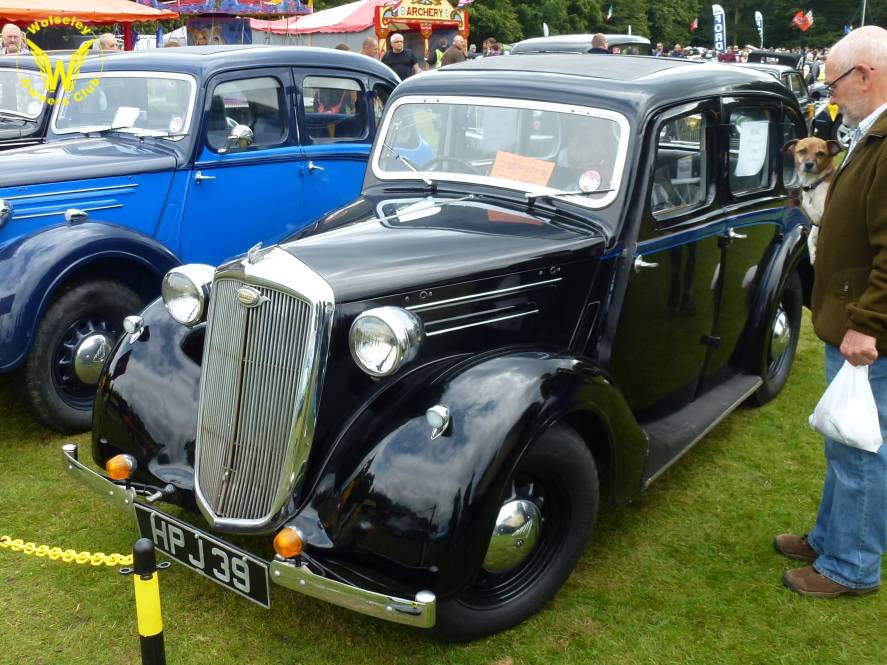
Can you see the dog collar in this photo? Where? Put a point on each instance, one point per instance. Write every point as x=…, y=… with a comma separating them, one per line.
x=819, y=181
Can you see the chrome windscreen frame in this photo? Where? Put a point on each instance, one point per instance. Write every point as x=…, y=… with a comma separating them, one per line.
x=277, y=269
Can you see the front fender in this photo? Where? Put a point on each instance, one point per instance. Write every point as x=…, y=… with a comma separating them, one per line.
x=418, y=511
x=146, y=402
x=34, y=267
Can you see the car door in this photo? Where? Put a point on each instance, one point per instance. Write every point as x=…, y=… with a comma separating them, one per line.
x=243, y=191
x=668, y=311
x=755, y=178
x=336, y=113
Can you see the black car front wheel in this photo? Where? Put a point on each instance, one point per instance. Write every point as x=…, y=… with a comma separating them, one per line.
x=74, y=337
x=544, y=522
x=780, y=340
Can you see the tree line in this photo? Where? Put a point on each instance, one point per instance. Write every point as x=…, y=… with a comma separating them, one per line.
x=667, y=21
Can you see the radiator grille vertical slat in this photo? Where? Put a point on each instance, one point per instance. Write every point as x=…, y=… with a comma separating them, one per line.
x=255, y=369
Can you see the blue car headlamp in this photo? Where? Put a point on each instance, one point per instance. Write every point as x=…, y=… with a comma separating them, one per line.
x=186, y=292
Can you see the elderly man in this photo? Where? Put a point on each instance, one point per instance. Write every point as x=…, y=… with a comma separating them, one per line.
x=456, y=53
x=599, y=43
x=848, y=541
x=400, y=59
x=13, y=42
x=107, y=42
x=370, y=47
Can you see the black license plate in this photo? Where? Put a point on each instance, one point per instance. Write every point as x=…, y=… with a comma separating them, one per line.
x=234, y=569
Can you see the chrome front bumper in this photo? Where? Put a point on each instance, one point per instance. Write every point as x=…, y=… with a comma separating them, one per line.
x=419, y=613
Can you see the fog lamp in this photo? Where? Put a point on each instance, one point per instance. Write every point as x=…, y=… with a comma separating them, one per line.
x=120, y=467
x=288, y=542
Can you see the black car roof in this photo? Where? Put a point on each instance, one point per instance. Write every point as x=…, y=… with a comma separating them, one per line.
x=631, y=83
x=204, y=61
x=572, y=43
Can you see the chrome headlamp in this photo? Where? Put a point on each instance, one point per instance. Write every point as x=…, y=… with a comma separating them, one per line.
x=384, y=338
x=5, y=211
x=186, y=291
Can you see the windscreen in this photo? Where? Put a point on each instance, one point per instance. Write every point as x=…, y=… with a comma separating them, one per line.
x=529, y=147
x=139, y=103
x=22, y=93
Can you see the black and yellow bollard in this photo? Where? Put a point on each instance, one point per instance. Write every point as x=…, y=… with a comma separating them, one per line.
x=147, y=590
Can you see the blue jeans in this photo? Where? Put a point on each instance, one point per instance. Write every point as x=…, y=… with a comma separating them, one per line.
x=851, y=528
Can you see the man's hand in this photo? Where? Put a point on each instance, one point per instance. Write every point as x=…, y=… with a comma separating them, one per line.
x=859, y=348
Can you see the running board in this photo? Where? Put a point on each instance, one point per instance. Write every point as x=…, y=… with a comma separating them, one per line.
x=670, y=437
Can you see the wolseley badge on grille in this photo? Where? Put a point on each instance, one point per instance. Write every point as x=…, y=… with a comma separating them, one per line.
x=250, y=297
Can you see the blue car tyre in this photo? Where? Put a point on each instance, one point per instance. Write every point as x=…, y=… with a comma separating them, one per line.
x=556, y=481
x=74, y=338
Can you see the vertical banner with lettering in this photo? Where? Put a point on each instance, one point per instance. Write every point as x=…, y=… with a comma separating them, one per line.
x=759, y=21
x=720, y=28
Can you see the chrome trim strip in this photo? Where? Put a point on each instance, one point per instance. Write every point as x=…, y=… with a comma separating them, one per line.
x=62, y=212
x=281, y=272
x=120, y=497
x=480, y=296
x=70, y=191
x=481, y=323
x=419, y=613
x=717, y=421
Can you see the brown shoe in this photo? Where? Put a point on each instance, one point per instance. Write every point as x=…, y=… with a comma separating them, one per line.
x=794, y=547
x=808, y=582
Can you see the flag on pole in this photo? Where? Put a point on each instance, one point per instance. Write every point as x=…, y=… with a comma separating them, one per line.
x=694, y=24
x=759, y=23
x=463, y=3
x=609, y=14
x=809, y=16
x=848, y=29
x=801, y=21
x=719, y=27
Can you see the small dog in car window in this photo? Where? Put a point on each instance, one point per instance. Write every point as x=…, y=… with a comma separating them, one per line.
x=813, y=159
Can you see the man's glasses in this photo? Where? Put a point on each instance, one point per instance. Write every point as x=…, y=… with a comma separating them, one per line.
x=830, y=87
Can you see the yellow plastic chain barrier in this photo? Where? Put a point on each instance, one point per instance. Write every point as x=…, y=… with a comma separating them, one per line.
x=68, y=556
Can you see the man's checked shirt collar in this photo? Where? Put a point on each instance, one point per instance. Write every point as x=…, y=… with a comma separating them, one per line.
x=864, y=127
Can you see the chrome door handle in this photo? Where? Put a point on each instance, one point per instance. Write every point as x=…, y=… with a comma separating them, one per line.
x=199, y=177
x=312, y=167
x=732, y=234
x=640, y=263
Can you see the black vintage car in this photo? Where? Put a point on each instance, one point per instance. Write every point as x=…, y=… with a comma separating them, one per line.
x=553, y=285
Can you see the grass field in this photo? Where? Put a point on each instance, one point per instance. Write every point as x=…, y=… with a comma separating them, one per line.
x=686, y=574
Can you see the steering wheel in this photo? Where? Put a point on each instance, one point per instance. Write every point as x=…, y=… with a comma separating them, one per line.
x=437, y=161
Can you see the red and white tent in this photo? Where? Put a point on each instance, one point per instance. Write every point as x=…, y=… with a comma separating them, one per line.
x=350, y=24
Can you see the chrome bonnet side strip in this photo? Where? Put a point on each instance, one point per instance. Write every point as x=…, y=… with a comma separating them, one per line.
x=480, y=296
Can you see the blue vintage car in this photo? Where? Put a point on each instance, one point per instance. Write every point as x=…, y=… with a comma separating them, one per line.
x=24, y=117
x=190, y=154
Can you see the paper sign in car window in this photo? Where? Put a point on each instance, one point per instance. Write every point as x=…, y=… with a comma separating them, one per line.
x=126, y=116
x=509, y=166
x=498, y=129
x=752, y=147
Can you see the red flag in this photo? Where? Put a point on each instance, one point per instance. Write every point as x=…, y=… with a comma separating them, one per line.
x=802, y=21
x=694, y=24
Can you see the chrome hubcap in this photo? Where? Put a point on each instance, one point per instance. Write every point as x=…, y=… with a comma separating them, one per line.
x=515, y=535
x=89, y=356
x=781, y=335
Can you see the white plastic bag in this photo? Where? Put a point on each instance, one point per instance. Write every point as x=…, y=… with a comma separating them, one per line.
x=847, y=411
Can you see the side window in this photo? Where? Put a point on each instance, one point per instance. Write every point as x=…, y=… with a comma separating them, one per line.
x=380, y=99
x=334, y=108
x=749, y=148
x=680, y=180
x=791, y=129
x=257, y=103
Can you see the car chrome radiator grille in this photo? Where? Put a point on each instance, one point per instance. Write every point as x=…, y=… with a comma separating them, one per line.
x=258, y=364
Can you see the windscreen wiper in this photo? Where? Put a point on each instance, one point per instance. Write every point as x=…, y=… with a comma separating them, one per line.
x=428, y=181
x=533, y=196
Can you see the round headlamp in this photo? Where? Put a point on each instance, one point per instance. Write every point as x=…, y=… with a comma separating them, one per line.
x=186, y=291
x=384, y=338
